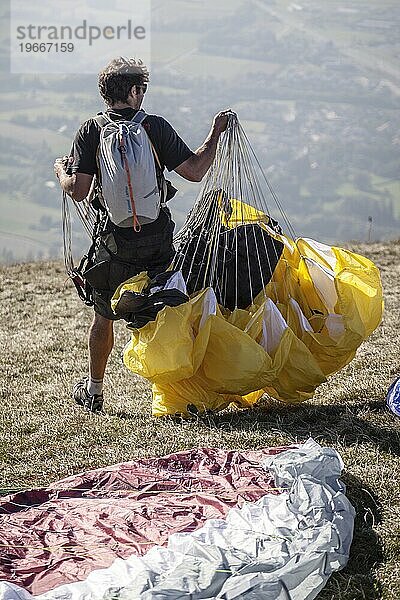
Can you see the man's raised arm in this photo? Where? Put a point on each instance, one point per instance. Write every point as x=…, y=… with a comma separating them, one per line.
x=195, y=167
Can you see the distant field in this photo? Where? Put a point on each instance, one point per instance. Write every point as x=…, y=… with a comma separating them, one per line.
x=32, y=136
x=224, y=67
x=163, y=89
x=349, y=35
x=16, y=232
x=167, y=47
x=393, y=187
x=10, y=171
x=18, y=210
x=22, y=247
x=193, y=8
x=349, y=189
x=253, y=126
x=29, y=112
x=356, y=4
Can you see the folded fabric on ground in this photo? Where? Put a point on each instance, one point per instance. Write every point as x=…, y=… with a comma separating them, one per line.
x=205, y=523
x=306, y=324
x=267, y=312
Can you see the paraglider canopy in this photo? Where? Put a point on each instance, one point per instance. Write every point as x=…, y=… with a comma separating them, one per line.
x=254, y=310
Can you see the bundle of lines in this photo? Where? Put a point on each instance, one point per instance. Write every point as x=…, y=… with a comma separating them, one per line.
x=227, y=241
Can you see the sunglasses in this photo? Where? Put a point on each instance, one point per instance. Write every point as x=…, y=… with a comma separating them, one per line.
x=141, y=88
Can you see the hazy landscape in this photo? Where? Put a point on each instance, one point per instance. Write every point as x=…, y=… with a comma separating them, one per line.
x=316, y=86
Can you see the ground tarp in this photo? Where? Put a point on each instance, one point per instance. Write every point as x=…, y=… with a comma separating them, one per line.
x=208, y=523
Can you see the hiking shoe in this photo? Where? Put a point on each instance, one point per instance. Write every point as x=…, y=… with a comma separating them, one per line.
x=83, y=398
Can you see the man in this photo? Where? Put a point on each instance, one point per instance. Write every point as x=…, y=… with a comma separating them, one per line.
x=122, y=84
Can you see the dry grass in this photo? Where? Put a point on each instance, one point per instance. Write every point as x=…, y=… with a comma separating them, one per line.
x=45, y=437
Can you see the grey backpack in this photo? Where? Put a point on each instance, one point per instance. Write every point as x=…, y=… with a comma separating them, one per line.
x=128, y=181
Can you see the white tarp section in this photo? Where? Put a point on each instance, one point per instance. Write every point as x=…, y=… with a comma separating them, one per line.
x=282, y=547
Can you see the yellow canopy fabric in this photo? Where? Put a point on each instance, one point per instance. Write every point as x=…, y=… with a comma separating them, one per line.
x=241, y=213
x=308, y=322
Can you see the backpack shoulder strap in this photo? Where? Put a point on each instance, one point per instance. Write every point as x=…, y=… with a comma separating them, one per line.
x=162, y=182
x=142, y=117
x=155, y=153
x=139, y=117
x=102, y=119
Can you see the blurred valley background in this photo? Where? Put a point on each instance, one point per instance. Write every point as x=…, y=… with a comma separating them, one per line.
x=316, y=85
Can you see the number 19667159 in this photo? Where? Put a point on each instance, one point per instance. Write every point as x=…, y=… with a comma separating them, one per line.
x=46, y=47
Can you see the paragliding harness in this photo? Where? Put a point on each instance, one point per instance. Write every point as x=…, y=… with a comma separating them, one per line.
x=86, y=275
x=96, y=220
x=77, y=273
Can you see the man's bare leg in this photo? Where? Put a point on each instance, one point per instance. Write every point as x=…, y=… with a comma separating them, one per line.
x=88, y=392
x=101, y=342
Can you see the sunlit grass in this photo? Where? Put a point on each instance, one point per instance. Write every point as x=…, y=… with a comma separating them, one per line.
x=46, y=437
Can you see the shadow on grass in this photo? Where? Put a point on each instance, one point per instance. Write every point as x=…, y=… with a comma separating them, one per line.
x=333, y=423
x=357, y=581
x=127, y=415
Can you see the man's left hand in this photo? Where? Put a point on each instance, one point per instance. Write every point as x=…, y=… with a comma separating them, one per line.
x=221, y=121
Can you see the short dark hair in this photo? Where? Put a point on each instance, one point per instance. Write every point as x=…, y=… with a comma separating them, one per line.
x=119, y=76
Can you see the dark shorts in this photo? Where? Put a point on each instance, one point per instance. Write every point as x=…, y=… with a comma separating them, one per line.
x=116, y=259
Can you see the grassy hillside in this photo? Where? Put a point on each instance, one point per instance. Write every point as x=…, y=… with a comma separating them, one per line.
x=45, y=437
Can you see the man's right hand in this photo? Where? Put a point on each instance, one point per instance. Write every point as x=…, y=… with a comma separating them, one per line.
x=61, y=164
x=77, y=185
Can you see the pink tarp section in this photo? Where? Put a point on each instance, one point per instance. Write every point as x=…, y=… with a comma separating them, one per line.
x=60, y=534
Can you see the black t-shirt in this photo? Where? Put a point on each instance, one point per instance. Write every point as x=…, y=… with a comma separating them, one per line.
x=171, y=151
